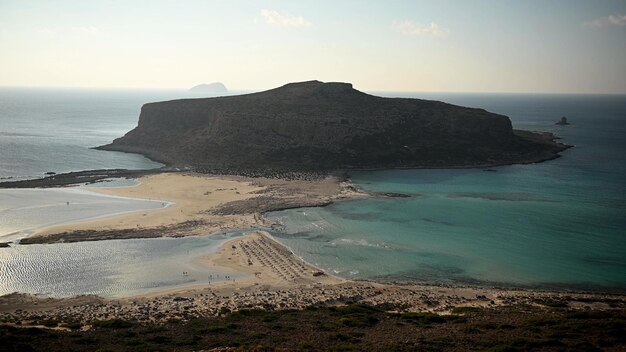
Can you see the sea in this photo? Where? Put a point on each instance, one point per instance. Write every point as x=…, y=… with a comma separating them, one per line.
x=559, y=224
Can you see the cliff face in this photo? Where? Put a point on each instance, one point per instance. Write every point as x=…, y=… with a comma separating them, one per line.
x=321, y=126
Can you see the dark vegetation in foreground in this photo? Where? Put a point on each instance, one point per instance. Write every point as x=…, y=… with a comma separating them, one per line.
x=349, y=328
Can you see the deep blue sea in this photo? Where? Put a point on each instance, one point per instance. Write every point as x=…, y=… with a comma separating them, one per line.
x=52, y=130
x=558, y=224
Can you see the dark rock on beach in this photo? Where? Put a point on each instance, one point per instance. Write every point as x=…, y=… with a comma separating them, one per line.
x=311, y=126
x=70, y=178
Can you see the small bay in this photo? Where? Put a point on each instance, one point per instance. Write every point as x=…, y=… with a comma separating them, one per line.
x=558, y=224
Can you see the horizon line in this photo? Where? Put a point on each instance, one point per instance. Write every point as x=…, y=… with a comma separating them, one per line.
x=254, y=90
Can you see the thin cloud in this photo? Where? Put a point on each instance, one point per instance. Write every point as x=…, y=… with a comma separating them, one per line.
x=420, y=30
x=276, y=18
x=613, y=20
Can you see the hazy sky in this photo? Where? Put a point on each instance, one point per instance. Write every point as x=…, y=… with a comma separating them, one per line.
x=486, y=46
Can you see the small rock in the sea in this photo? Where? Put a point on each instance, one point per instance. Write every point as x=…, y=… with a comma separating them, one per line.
x=392, y=194
x=562, y=121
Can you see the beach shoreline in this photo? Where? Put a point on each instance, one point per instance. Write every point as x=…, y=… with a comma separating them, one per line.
x=70, y=205
x=277, y=279
x=201, y=205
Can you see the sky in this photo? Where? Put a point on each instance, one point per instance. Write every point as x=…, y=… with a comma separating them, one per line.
x=541, y=46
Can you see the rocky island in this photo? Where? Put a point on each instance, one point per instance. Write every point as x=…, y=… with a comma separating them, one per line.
x=313, y=126
x=308, y=129
x=562, y=121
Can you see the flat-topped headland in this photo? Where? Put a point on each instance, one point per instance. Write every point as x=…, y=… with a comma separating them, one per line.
x=279, y=149
x=326, y=126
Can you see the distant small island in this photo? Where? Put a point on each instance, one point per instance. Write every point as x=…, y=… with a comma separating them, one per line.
x=215, y=87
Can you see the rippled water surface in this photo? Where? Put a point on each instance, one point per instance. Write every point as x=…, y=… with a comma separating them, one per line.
x=111, y=268
x=558, y=224
x=23, y=210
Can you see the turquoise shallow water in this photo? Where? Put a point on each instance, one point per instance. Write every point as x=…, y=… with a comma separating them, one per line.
x=558, y=224
x=45, y=130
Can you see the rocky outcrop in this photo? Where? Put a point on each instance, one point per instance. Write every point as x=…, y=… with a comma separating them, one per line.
x=324, y=126
x=562, y=121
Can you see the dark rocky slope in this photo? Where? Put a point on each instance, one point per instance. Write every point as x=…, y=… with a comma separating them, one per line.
x=325, y=126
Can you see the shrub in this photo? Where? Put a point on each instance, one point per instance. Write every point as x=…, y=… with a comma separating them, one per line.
x=49, y=323
x=465, y=310
x=358, y=320
x=423, y=319
x=112, y=324
x=74, y=325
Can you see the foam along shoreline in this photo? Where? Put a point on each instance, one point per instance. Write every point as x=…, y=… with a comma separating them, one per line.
x=27, y=211
x=201, y=205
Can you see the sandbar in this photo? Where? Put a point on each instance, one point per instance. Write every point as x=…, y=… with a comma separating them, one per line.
x=276, y=277
x=201, y=205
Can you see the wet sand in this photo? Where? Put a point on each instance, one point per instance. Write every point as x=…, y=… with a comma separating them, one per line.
x=280, y=280
x=276, y=278
x=202, y=205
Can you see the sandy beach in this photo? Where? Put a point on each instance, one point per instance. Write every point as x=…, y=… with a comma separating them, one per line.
x=201, y=205
x=277, y=279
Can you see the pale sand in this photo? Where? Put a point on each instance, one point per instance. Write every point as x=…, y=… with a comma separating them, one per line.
x=278, y=280
x=202, y=205
x=268, y=262
x=192, y=197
